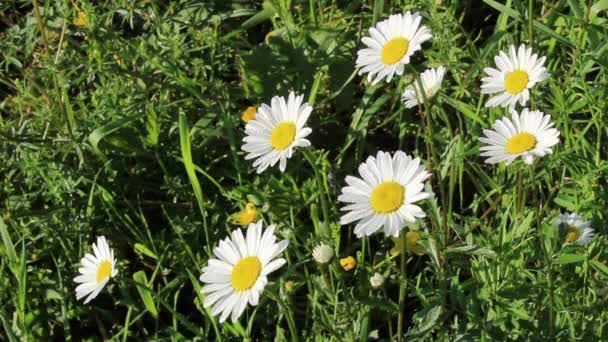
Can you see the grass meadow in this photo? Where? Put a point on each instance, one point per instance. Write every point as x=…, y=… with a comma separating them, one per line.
x=129, y=120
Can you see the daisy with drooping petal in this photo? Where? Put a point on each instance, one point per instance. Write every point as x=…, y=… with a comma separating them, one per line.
x=431, y=81
x=96, y=270
x=516, y=74
x=239, y=274
x=385, y=194
x=276, y=131
x=524, y=135
x=390, y=45
x=579, y=230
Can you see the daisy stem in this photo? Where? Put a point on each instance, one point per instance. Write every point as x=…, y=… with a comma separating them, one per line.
x=403, y=285
x=425, y=115
x=288, y=315
x=311, y=160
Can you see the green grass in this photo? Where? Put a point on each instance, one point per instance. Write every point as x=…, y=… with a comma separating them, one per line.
x=129, y=127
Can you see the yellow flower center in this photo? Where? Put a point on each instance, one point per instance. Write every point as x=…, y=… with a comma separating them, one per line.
x=246, y=216
x=104, y=271
x=248, y=114
x=387, y=197
x=283, y=135
x=573, y=234
x=394, y=50
x=521, y=142
x=516, y=81
x=245, y=273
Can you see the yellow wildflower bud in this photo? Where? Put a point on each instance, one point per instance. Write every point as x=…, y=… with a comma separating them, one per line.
x=81, y=19
x=289, y=285
x=249, y=114
x=348, y=263
x=246, y=216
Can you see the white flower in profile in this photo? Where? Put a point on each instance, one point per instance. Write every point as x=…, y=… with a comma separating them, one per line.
x=322, y=253
x=579, y=230
x=385, y=195
x=96, y=270
x=527, y=135
x=390, y=45
x=239, y=274
x=517, y=73
x=377, y=280
x=276, y=131
x=431, y=81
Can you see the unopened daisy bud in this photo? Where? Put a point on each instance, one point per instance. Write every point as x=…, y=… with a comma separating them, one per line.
x=249, y=114
x=323, y=253
x=348, y=263
x=246, y=216
x=377, y=280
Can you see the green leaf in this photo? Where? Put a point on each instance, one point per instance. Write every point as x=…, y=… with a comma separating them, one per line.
x=145, y=292
x=426, y=324
x=474, y=250
x=569, y=258
x=184, y=140
x=144, y=250
x=599, y=266
x=9, y=248
x=97, y=135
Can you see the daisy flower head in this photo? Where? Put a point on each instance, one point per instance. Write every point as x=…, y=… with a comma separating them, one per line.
x=390, y=45
x=238, y=274
x=579, y=230
x=96, y=270
x=276, y=131
x=385, y=195
x=524, y=135
x=431, y=81
x=517, y=73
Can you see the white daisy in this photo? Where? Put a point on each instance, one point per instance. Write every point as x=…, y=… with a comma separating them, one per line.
x=579, y=230
x=385, y=194
x=238, y=276
x=276, y=131
x=527, y=135
x=390, y=45
x=516, y=74
x=96, y=270
x=431, y=81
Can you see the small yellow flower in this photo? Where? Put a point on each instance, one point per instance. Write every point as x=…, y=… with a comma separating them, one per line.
x=289, y=285
x=247, y=216
x=81, y=19
x=412, y=244
x=249, y=114
x=348, y=263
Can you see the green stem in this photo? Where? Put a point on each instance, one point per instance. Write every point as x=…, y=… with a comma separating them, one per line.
x=403, y=285
x=127, y=322
x=531, y=21
x=321, y=183
x=288, y=315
